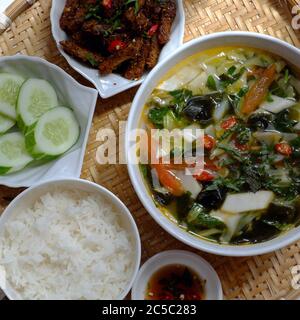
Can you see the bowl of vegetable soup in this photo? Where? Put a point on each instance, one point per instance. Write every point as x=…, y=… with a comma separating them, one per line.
x=217, y=165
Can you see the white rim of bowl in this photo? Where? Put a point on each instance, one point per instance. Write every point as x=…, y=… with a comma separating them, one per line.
x=179, y=257
x=113, y=198
x=134, y=174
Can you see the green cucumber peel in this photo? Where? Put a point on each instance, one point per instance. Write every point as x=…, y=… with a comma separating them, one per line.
x=4, y=170
x=30, y=144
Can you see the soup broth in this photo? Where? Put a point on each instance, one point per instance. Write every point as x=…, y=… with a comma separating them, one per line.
x=247, y=104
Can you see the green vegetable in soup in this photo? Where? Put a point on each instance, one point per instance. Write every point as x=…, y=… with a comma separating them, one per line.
x=198, y=217
x=156, y=116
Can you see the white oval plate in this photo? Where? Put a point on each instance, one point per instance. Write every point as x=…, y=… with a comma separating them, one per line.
x=112, y=84
x=212, y=288
x=71, y=94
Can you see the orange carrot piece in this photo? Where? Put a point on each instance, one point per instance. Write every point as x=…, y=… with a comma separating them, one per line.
x=258, y=91
x=169, y=180
x=166, y=177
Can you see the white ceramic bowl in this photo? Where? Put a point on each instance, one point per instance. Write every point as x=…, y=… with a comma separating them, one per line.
x=212, y=288
x=255, y=40
x=31, y=195
x=112, y=84
x=71, y=94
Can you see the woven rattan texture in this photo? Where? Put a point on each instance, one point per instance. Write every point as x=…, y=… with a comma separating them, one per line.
x=263, y=277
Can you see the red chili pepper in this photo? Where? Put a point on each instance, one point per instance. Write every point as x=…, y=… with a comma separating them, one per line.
x=116, y=45
x=167, y=178
x=204, y=176
x=107, y=4
x=210, y=165
x=209, y=142
x=284, y=148
x=229, y=123
x=194, y=296
x=242, y=147
x=153, y=30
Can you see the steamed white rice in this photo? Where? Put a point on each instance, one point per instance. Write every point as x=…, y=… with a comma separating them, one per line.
x=68, y=245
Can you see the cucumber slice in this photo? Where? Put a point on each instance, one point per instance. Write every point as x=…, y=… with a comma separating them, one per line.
x=36, y=98
x=53, y=134
x=5, y=124
x=13, y=154
x=9, y=89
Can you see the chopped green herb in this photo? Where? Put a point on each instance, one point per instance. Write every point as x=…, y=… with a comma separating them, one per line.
x=91, y=59
x=286, y=76
x=231, y=70
x=243, y=91
x=136, y=5
x=156, y=116
x=230, y=184
x=232, y=151
x=269, y=97
x=197, y=216
x=229, y=78
x=211, y=83
x=283, y=123
x=180, y=98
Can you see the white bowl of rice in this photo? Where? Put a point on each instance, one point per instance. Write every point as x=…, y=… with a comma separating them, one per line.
x=68, y=240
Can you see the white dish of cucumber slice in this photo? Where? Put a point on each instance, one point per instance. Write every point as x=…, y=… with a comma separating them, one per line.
x=45, y=118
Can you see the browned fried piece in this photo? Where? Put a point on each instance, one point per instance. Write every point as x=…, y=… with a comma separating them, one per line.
x=87, y=41
x=95, y=35
x=130, y=16
x=82, y=54
x=111, y=11
x=89, y=2
x=114, y=61
x=79, y=17
x=152, y=9
x=141, y=4
x=73, y=16
x=153, y=54
x=94, y=27
x=69, y=13
x=137, y=21
x=142, y=21
x=137, y=66
x=168, y=15
x=78, y=37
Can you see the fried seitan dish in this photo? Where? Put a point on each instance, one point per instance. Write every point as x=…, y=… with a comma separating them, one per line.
x=124, y=36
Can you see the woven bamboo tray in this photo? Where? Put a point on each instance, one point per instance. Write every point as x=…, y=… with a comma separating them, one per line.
x=262, y=277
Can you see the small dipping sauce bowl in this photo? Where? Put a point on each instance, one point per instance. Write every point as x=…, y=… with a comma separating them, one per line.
x=212, y=288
